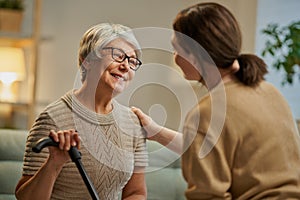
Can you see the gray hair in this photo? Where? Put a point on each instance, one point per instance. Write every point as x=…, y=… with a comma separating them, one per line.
x=95, y=38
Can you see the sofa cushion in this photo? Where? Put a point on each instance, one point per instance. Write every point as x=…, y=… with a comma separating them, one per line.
x=10, y=173
x=164, y=178
x=7, y=197
x=160, y=156
x=166, y=184
x=12, y=144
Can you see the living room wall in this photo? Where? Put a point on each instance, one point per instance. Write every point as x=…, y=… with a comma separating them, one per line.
x=64, y=21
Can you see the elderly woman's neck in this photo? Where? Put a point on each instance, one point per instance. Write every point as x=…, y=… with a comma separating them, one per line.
x=99, y=103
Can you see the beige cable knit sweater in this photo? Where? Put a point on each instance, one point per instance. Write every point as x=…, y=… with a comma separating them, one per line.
x=112, y=145
x=257, y=155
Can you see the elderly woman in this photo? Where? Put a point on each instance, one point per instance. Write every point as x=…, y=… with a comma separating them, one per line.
x=108, y=134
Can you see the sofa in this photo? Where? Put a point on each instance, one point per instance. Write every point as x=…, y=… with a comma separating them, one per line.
x=163, y=177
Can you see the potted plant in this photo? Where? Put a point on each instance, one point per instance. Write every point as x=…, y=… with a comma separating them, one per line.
x=283, y=44
x=11, y=15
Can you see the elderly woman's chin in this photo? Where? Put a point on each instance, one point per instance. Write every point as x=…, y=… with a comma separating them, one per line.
x=119, y=88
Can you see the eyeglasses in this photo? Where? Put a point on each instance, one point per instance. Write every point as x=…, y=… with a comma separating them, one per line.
x=119, y=56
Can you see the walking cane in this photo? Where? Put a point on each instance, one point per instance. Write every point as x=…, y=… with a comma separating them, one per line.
x=76, y=158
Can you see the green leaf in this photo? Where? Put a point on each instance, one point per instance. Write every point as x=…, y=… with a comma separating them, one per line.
x=283, y=44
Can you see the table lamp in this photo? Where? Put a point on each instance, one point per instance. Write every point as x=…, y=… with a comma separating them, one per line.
x=12, y=68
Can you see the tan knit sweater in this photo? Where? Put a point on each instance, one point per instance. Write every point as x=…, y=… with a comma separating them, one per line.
x=257, y=155
x=112, y=145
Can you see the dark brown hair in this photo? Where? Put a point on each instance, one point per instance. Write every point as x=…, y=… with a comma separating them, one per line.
x=215, y=28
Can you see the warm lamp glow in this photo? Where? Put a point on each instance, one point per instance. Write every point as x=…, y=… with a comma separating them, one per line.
x=12, y=61
x=12, y=68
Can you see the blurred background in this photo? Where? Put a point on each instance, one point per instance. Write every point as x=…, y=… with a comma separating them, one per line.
x=49, y=37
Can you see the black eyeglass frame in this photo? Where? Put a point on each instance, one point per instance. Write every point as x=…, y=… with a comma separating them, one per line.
x=125, y=57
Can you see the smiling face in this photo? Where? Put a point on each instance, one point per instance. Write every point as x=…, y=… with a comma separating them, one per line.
x=115, y=76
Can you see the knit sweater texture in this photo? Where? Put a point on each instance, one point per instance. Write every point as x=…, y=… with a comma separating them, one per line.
x=257, y=154
x=112, y=145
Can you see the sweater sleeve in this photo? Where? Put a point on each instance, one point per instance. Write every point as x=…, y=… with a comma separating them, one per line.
x=33, y=161
x=140, y=152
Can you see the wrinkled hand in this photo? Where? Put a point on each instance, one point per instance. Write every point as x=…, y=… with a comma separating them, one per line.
x=66, y=139
x=150, y=126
